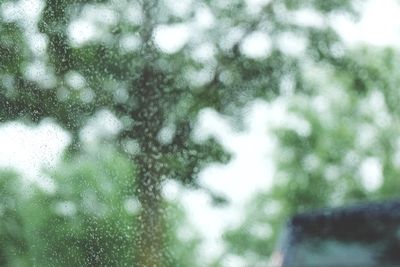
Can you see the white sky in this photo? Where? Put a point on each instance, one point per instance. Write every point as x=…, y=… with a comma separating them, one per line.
x=380, y=24
x=28, y=149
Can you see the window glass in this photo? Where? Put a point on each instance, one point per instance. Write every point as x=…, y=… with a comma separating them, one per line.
x=187, y=133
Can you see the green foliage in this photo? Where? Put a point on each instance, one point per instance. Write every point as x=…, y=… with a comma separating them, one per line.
x=338, y=146
x=89, y=219
x=157, y=88
x=14, y=250
x=150, y=89
x=91, y=226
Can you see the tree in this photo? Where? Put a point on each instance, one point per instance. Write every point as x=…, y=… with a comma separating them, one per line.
x=157, y=93
x=339, y=145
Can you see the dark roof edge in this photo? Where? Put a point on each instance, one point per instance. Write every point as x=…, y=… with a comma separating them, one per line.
x=386, y=207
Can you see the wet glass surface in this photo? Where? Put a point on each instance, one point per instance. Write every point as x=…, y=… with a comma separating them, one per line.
x=175, y=133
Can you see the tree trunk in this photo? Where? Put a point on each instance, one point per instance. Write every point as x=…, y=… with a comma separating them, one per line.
x=149, y=118
x=150, y=237
x=150, y=231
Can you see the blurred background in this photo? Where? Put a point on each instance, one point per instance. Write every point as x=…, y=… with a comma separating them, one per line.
x=186, y=133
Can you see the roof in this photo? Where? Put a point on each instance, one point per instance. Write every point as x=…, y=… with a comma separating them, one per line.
x=388, y=210
x=352, y=222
